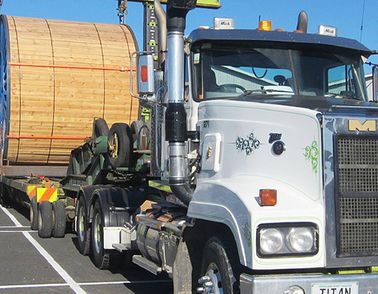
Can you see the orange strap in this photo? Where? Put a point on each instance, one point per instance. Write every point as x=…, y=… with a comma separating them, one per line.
x=72, y=138
x=121, y=69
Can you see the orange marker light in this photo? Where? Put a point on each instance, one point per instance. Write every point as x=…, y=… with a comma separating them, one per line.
x=265, y=25
x=144, y=73
x=268, y=197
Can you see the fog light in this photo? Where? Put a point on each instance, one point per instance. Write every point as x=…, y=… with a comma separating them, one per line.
x=294, y=290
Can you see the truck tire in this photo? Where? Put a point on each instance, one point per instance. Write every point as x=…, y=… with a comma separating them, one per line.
x=59, y=219
x=100, y=257
x=100, y=128
x=83, y=230
x=34, y=214
x=120, y=145
x=45, y=219
x=219, y=263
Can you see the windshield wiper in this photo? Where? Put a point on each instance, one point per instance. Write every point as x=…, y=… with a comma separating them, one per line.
x=250, y=92
x=340, y=96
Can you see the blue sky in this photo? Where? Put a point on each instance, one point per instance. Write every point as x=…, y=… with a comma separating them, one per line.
x=346, y=15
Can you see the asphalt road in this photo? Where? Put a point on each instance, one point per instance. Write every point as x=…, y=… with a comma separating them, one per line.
x=30, y=264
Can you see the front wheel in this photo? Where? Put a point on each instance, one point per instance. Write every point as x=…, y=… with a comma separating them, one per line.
x=219, y=267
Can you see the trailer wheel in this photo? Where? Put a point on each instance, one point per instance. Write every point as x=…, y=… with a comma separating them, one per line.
x=120, y=145
x=83, y=231
x=100, y=128
x=59, y=219
x=100, y=257
x=219, y=266
x=34, y=214
x=45, y=219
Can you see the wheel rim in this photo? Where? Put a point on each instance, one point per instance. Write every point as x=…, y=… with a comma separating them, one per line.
x=81, y=223
x=114, y=145
x=97, y=233
x=214, y=274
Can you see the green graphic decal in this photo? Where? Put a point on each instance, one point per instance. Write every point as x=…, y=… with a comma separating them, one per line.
x=146, y=113
x=247, y=234
x=312, y=154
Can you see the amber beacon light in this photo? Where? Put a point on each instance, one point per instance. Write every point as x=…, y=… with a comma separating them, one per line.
x=265, y=25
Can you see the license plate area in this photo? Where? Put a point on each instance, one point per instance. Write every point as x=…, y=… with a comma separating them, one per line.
x=335, y=288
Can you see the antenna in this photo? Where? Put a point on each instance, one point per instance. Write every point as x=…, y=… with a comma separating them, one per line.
x=362, y=19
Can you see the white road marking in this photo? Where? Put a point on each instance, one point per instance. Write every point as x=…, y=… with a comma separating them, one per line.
x=33, y=286
x=16, y=231
x=11, y=216
x=124, y=282
x=69, y=280
x=82, y=284
x=12, y=227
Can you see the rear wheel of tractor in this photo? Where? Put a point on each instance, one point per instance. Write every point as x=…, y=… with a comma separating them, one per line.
x=45, y=219
x=59, y=219
x=100, y=128
x=34, y=214
x=120, y=145
x=100, y=257
x=83, y=230
x=219, y=266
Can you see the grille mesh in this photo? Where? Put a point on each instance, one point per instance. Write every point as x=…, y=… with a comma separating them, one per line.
x=357, y=199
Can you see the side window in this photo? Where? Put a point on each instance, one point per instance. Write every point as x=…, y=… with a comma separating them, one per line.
x=187, y=81
x=197, y=75
x=340, y=80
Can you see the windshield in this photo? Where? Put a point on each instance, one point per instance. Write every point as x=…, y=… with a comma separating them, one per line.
x=222, y=71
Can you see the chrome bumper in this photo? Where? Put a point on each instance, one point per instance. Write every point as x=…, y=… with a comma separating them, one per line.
x=280, y=284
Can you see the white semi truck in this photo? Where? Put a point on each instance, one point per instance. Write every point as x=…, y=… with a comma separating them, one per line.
x=268, y=141
x=269, y=147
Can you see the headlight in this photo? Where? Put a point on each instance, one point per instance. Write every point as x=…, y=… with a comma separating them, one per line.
x=287, y=239
x=301, y=239
x=271, y=241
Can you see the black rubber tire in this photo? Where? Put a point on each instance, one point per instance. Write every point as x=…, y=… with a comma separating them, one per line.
x=100, y=257
x=100, y=128
x=2, y=194
x=83, y=230
x=120, y=138
x=45, y=219
x=223, y=255
x=34, y=214
x=135, y=128
x=59, y=219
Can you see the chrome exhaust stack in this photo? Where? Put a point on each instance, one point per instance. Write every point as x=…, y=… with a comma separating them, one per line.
x=175, y=115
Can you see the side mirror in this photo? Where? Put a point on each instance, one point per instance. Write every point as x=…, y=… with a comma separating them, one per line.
x=145, y=74
x=375, y=83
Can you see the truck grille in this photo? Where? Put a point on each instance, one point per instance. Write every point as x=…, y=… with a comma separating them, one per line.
x=357, y=195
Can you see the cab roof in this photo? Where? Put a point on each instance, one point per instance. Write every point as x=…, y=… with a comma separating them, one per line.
x=242, y=35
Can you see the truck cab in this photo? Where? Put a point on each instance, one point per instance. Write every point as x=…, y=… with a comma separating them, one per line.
x=288, y=144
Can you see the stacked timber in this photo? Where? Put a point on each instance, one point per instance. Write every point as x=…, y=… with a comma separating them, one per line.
x=56, y=77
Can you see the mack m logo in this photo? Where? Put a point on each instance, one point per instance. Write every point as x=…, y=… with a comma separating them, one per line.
x=366, y=126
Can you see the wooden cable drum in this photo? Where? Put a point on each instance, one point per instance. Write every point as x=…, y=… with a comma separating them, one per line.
x=57, y=76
